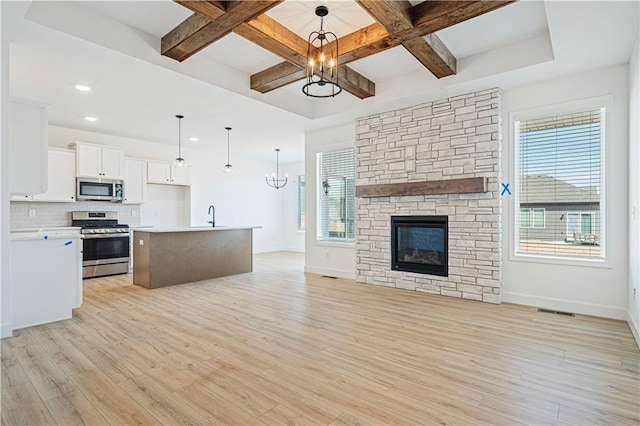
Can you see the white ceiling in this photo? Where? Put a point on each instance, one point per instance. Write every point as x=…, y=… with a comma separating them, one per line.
x=114, y=47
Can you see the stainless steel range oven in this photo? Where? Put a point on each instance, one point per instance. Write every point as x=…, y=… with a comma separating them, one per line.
x=105, y=246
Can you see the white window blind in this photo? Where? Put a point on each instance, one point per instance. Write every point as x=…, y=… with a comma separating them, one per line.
x=561, y=185
x=302, y=191
x=336, y=195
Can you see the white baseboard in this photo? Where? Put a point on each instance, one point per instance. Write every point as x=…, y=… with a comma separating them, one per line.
x=330, y=272
x=593, y=309
x=6, y=330
x=266, y=250
x=635, y=328
x=293, y=249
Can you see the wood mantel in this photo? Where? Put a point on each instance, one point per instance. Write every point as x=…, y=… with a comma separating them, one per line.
x=433, y=187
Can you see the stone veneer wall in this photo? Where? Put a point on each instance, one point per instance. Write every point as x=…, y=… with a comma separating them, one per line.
x=451, y=138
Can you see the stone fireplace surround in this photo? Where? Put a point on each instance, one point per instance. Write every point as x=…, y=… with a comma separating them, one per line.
x=453, y=138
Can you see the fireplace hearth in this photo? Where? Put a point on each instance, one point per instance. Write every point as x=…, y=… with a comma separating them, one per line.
x=420, y=244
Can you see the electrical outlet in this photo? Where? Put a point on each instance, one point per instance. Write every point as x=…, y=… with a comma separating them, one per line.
x=141, y=242
x=410, y=165
x=32, y=213
x=134, y=213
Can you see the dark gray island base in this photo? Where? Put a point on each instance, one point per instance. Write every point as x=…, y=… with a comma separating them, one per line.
x=164, y=257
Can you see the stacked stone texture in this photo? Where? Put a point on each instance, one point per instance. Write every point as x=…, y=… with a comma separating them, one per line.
x=458, y=137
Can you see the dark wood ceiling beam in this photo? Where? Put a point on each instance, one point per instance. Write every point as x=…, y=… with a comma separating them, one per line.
x=427, y=18
x=396, y=17
x=193, y=34
x=277, y=76
x=266, y=33
x=276, y=38
x=433, y=54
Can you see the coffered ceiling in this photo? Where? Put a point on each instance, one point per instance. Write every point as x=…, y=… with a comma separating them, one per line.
x=397, y=23
x=116, y=46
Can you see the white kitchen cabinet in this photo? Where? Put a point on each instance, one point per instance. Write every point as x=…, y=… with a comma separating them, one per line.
x=167, y=173
x=180, y=175
x=61, y=179
x=51, y=290
x=135, y=184
x=28, y=147
x=98, y=161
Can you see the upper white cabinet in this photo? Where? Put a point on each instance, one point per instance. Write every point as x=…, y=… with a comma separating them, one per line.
x=135, y=183
x=167, y=173
x=61, y=179
x=28, y=147
x=180, y=175
x=99, y=161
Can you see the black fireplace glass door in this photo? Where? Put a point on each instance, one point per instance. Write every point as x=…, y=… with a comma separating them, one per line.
x=420, y=244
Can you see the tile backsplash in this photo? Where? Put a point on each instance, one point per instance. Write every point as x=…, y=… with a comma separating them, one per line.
x=59, y=214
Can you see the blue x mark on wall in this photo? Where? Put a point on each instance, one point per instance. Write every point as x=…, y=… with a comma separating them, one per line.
x=505, y=189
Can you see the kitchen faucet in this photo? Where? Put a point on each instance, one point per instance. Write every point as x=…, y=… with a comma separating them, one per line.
x=212, y=212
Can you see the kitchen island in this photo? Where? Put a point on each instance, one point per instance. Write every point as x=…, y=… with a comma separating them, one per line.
x=169, y=256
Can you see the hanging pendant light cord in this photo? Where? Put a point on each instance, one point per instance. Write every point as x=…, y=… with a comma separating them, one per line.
x=180, y=136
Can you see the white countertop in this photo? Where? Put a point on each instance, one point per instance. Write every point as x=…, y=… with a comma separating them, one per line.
x=196, y=229
x=47, y=229
x=52, y=233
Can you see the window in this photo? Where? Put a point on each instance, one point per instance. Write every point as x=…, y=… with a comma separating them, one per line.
x=301, y=203
x=531, y=218
x=560, y=197
x=336, y=196
x=538, y=218
x=525, y=218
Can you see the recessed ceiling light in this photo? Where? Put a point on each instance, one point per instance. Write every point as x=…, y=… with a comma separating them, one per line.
x=193, y=139
x=83, y=88
x=90, y=118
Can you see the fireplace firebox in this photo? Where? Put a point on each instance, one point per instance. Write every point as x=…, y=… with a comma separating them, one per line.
x=420, y=244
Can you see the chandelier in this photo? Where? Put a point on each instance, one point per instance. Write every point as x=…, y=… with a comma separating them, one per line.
x=275, y=181
x=179, y=161
x=322, y=62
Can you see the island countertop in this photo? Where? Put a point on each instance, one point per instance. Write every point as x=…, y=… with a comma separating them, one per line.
x=169, y=256
x=194, y=229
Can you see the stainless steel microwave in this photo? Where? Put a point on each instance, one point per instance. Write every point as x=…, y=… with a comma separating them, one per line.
x=99, y=189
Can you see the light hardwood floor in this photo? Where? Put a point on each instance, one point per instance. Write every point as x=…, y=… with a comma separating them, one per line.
x=277, y=346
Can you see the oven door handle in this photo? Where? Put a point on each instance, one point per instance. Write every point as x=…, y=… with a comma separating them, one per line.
x=94, y=236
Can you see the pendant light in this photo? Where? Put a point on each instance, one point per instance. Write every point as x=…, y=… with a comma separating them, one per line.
x=179, y=161
x=275, y=181
x=228, y=167
x=322, y=61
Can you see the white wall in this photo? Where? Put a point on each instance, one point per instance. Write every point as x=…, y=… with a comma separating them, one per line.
x=5, y=261
x=240, y=198
x=600, y=291
x=633, y=309
x=321, y=257
x=293, y=239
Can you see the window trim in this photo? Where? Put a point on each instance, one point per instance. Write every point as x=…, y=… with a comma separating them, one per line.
x=511, y=209
x=299, y=204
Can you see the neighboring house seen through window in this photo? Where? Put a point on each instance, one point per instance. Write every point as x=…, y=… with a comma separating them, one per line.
x=336, y=196
x=560, y=196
